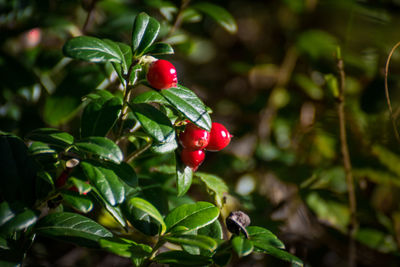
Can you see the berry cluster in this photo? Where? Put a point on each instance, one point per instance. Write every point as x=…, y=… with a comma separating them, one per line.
x=194, y=140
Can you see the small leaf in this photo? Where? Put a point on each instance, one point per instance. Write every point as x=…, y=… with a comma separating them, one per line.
x=184, y=175
x=115, y=212
x=52, y=136
x=92, y=49
x=125, y=247
x=219, y=14
x=188, y=104
x=159, y=49
x=153, y=121
x=182, y=258
x=262, y=237
x=103, y=147
x=71, y=227
x=150, y=97
x=242, y=246
x=99, y=116
x=40, y=148
x=145, y=31
x=148, y=208
x=200, y=241
x=192, y=216
x=82, y=186
x=215, y=185
x=168, y=146
x=77, y=201
x=125, y=172
x=104, y=180
x=20, y=220
x=213, y=230
x=283, y=255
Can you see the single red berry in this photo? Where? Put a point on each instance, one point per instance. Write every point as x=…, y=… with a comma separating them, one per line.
x=219, y=137
x=162, y=75
x=192, y=158
x=194, y=138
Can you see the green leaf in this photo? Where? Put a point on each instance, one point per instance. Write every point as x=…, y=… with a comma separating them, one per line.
x=215, y=186
x=213, y=230
x=82, y=186
x=103, y=147
x=92, y=49
x=188, y=104
x=168, y=146
x=140, y=220
x=184, y=175
x=123, y=68
x=153, y=121
x=39, y=148
x=52, y=136
x=19, y=221
x=106, y=181
x=242, y=246
x=149, y=209
x=125, y=247
x=18, y=171
x=99, y=116
x=71, y=227
x=159, y=49
x=115, y=212
x=145, y=31
x=125, y=172
x=79, y=202
x=8, y=211
x=262, y=237
x=200, y=241
x=150, y=97
x=177, y=258
x=192, y=216
x=219, y=14
x=283, y=255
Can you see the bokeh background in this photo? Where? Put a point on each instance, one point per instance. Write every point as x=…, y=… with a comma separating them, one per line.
x=272, y=83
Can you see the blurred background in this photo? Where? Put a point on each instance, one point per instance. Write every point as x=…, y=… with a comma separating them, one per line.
x=272, y=82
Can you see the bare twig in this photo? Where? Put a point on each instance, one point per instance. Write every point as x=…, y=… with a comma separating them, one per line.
x=392, y=117
x=138, y=152
x=89, y=16
x=347, y=162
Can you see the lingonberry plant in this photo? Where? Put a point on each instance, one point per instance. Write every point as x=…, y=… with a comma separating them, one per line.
x=64, y=176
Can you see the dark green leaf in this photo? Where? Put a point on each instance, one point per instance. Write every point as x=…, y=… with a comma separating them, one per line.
x=219, y=14
x=82, y=186
x=115, y=212
x=92, y=49
x=79, y=202
x=145, y=31
x=242, y=245
x=192, y=216
x=262, y=237
x=186, y=102
x=44, y=184
x=103, y=147
x=125, y=247
x=153, y=121
x=52, y=137
x=184, y=175
x=20, y=221
x=159, y=49
x=73, y=228
x=215, y=185
x=283, y=255
x=38, y=148
x=99, y=116
x=150, y=97
x=125, y=172
x=168, y=146
x=106, y=181
x=140, y=220
x=213, y=230
x=200, y=241
x=182, y=258
x=8, y=211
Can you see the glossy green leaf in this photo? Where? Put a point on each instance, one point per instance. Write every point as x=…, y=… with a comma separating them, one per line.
x=8, y=211
x=283, y=255
x=39, y=148
x=263, y=237
x=200, y=241
x=215, y=186
x=150, y=97
x=79, y=202
x=168, y=146
x=148, y=208
x=115, y=212
x=82, y=186
x=99, y=116
x=52, y=137
x=213, y=230
x=105, y=181
x=73, y=228
x=140, y=220
x=92, y=49
x=188, y=104
x=219, y=14
x=157, y=49
x=125, y=247
x=242, y=245
x=125, y=172
x=44, y=184
x=179, y=258
x=145, y=32
x=103, y=147
x=23, y=219
x=153, y=121
x=184, y=176
x=192, y=216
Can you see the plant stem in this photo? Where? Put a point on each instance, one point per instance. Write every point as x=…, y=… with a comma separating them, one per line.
x=137, y=153
x=178, y=19
x=89, y=16
x=347, y=163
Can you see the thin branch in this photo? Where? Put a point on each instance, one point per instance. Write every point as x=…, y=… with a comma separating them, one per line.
x=137, y=153
x=347, y=162
x=392, y=118
x=178, y=19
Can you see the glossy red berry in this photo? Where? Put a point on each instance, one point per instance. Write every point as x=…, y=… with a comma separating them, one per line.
x=194, y=138
x=219, y=137
x=162, y=75
x=192, y=158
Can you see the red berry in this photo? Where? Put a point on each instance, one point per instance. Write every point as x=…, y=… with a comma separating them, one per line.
x=194, y=138
x=162, y=75
x=219, y=137
x=62, y=179
x=192, y=158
